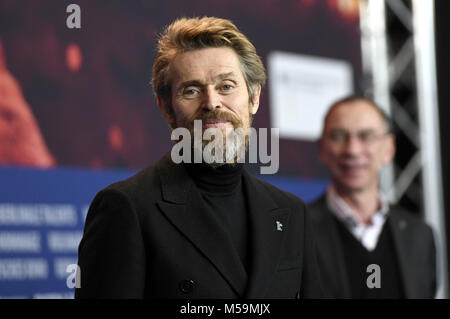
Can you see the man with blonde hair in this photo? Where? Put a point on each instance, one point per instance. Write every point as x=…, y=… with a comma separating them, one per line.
x=199, y=230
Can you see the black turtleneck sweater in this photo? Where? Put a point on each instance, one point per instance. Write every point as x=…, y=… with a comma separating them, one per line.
x=223, y=195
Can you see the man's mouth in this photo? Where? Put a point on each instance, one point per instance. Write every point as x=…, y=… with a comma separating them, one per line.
x=351, y=168
x=214, y=123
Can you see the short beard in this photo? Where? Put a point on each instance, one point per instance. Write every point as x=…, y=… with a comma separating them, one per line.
x=234, y=145
x=232, y=149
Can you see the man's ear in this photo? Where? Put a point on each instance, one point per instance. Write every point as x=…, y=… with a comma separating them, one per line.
x=389, y=149
x=255, y=100
x=165, y=110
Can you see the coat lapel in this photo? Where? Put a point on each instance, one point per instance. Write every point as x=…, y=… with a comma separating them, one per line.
x=330, y=251
x=266, y=235
x=399, y=229
x=182, y=205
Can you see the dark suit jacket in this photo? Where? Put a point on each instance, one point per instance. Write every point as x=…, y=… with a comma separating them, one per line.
x=414, y=244
x=150, y=237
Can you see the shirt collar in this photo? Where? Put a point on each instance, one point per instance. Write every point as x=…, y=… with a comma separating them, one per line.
x=344, y=213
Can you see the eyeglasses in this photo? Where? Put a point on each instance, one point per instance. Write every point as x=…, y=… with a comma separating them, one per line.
x=340, y=137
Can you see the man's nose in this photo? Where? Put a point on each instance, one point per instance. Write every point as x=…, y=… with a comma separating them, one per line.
x=353, y=145
x=211, y=99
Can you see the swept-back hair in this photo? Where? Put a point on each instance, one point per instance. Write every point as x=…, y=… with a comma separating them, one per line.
x=187, y=34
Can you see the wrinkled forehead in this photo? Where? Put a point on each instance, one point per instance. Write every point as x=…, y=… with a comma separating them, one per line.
x=355, y=116
x=204, y=64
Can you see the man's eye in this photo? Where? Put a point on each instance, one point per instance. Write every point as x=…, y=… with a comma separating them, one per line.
x=190, y=92
x=365, y=136
x=338, y=136
x=227, y=87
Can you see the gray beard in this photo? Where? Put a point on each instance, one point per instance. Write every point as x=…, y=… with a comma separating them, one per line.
x=232, y=151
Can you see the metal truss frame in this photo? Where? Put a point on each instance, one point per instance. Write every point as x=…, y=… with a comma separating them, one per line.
x=398, y=53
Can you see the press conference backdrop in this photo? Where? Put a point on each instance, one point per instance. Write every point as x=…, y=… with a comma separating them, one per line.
x=77, y=111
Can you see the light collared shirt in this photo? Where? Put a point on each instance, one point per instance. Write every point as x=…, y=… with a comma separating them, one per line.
x=366, y=234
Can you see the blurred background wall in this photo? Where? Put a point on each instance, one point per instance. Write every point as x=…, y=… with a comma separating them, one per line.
x=77, y=111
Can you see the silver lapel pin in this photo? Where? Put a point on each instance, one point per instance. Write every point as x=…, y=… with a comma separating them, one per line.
x=279, y=226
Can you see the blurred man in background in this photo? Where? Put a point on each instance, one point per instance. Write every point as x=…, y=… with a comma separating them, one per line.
x=367, y=248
